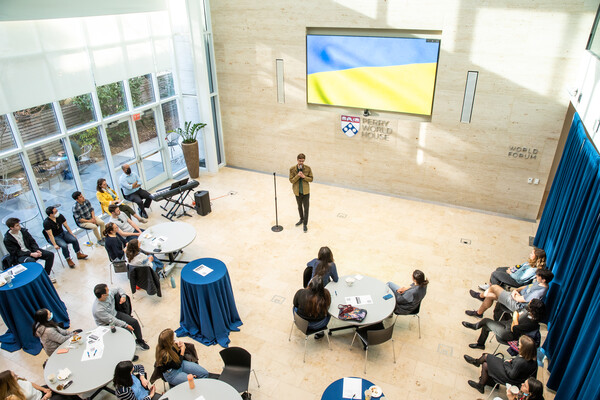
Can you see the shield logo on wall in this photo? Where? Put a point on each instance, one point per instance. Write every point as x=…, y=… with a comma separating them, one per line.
x=350, y=125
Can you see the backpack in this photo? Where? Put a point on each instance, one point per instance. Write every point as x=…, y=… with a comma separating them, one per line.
x=351, y=313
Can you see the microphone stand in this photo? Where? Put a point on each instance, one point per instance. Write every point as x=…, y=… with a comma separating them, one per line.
x=276, y=227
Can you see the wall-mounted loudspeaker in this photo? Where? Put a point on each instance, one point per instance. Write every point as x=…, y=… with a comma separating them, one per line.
x=470, y=86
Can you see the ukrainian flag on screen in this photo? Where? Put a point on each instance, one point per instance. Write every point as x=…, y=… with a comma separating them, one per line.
x=381, y=73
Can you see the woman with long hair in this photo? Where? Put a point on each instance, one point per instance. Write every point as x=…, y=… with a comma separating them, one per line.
x=514, y=371
x=324, y=266
x=531, y=389
x=136, y=258
x=114, y=243
x=312, y=304
x=51, y=335
x=408, y=298
x=107, y=196
x=517, y=276
x=131, y=383
x=14, y=388
x=170, y=362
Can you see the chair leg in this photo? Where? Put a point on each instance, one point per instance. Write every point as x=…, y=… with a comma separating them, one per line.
x=110, y=268
x=60, y=259
x=366, y=355
x=305, y=342
x=328, y=341
x=256, y=377
x=419, y=321
x=291, y=329
x=493, y=389
x=497, y=347
x=394, y=351
x=138, y=318
x=354, y=337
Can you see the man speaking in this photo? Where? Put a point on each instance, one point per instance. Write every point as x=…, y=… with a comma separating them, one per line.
x=300, y=176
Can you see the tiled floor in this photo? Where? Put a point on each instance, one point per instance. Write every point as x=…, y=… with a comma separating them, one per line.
x=381, y=236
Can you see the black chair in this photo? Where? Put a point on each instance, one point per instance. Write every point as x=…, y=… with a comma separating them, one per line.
x=306, y=276
x=375, y=337
x=6, y=262
x=236, y=371
x=416, y=314
x=302, y=325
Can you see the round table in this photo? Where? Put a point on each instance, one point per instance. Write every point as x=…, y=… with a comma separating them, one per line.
x=208, y=311
x=31, y=291
x=376, y=312
x=210, y=389
x=177, y=235
x=334, y=390
x=90, y=375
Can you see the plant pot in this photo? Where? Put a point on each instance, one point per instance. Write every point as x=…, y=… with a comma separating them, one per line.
x=192, y=158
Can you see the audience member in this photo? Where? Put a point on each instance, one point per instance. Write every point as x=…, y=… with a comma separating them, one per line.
x=522, y=323
x=105, y=313
x=514, y=371
x=22, y=247
x=85, y=217
x=409, y=298
x=115, y=244
x=324, y=266
x=125, y=226
x=131, y=384
x=59, y=238
x=518, y=275
x=107, y=196
x=51, y=335
x=138, y=259
x=14, y=388
x=312, y=304
x=170, y=362
x=531, y=389
x=518, y=298
x=131, y=184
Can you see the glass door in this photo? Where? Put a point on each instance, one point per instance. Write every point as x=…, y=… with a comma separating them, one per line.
x=150, y=150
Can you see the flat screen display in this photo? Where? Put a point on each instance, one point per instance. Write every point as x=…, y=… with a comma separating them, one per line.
x=394, y=74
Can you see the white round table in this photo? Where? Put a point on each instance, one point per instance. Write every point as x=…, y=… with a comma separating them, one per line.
x=376, y=312
x=90, y=375
x=176, y=236
x=210, y=389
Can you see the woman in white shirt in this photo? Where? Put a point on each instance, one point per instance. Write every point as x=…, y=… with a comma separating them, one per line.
x=14, y=388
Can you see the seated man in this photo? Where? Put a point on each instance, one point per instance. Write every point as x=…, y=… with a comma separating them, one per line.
x=518, y=298
x=57, y=237
x=131, y=184
x=22, y=247
x=85, y=218
x=105, y=313
x=125, y=226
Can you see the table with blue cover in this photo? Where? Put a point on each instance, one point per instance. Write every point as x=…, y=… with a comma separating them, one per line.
x=208, y=311
x=32, y=290
x=334, y=390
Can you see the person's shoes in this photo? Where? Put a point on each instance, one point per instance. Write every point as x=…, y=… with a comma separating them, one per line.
x=299, y=223
x=52, y=279
x=142, y=344
x=471, y=360
x=475, y=295
x=143, y=214
x=305, y=229
x=213, y=376
x=319, y=335
x=477, y=346
x=473, y=313
x=143, y=220
x=135, y=358
x=101, y=242
x=81, y=256
x=484, y=287
x=476, y=385
x=469, y=325
x=70, y=263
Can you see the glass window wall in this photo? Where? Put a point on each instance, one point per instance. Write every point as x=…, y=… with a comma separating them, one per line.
x=166, y=88
x=37, y=122
x=78, y=110
x=112, y=99
x=7, y=141
x=142, y=91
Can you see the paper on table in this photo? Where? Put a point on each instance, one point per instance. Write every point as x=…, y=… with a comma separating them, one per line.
x=203, y=270
x=200, y=398
x=93, y=351
x=358, y=277
x=17, y=269
x=359, y=300
x=352, y=388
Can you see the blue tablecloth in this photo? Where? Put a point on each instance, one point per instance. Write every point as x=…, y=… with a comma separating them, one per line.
x=32, y=290
x=334, y=390
x=208, y=311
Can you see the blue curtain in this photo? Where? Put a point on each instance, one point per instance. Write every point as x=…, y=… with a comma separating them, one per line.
x=569, y=233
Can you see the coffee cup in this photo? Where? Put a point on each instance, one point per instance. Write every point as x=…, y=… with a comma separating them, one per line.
x=52, y=378
x=514, y=389
x=350, y=281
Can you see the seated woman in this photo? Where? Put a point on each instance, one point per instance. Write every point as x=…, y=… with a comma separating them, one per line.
x=522, y=323
x=324, y=266
x=531, y=389
x=138, y=259
x=518, y=275
x=131, y=383
x=107, y=196
x=312, y=304
x=51, y=335
x=409, y=298
x=495, y=369
x=14, y=388
x=114, y=243
x=170, y=362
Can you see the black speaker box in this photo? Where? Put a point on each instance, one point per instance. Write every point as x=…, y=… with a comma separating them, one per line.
x=202, y=200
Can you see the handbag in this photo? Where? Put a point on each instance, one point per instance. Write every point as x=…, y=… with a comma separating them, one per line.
x=351, y=313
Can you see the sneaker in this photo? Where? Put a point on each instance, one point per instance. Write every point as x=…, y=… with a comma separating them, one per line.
x=142, y=344
x=135, y=358
x=70, y=263
x=143, y=214
x=485, y=286
x=101, y=242
x=81, y=256
x=475, y=295
x=299, y=223
x=52, y=279
x=305, y=229
x=143, y=220
x=473, y=313
x=319, y=335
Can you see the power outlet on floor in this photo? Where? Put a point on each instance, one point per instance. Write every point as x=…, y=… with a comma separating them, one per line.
x=465, y=241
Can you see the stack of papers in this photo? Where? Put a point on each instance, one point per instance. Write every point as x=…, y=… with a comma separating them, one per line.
x=359, y=300
x=203, y=270
x=352, y=388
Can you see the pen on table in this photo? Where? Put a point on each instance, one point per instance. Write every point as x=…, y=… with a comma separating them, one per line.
x=88, y=353
x=95, y=352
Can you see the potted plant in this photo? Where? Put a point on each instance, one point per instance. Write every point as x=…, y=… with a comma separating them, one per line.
x=189, y=145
